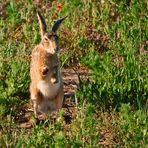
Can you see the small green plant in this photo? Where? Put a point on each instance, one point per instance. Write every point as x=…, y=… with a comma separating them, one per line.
x=133, y=128
x=110, y=85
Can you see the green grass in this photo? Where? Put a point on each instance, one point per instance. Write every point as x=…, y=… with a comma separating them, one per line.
x=110, y=39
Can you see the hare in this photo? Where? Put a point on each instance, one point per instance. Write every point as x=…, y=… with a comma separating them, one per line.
x=46, y=88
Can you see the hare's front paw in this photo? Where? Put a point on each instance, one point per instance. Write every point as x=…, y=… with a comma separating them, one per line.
x=45, y=71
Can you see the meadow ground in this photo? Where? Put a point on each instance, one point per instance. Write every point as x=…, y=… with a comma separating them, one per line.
x=104, y=49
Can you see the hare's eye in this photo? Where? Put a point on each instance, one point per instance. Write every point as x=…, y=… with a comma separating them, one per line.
x=46, y=39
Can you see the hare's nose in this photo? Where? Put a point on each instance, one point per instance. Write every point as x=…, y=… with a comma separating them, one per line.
x=45, y=70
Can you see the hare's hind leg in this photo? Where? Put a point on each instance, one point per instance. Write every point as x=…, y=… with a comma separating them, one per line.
x=58, y=102
x=36, y=99
x=35, y=107
x=59, y=99
x=34, y=103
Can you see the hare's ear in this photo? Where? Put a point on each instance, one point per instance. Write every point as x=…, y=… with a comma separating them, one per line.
x=57, y=24
x=42, y=23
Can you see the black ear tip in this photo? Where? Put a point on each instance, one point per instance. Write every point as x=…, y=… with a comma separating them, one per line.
x=41, y=21
x=38, y=13
x=58, y=23
x=62, y=19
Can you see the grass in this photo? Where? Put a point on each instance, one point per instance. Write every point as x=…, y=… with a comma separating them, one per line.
x=107, y=37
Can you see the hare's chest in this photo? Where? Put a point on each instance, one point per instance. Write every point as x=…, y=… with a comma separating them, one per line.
x=48, y=89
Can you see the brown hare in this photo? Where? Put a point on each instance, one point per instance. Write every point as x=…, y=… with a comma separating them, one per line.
x=46, y=86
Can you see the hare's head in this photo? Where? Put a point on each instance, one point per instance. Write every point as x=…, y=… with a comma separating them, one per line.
x=49, y=39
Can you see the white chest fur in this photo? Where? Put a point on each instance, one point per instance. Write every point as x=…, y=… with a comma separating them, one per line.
x=48, y=90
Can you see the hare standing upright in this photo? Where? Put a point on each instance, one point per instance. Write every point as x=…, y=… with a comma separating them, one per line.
x=46, y=86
